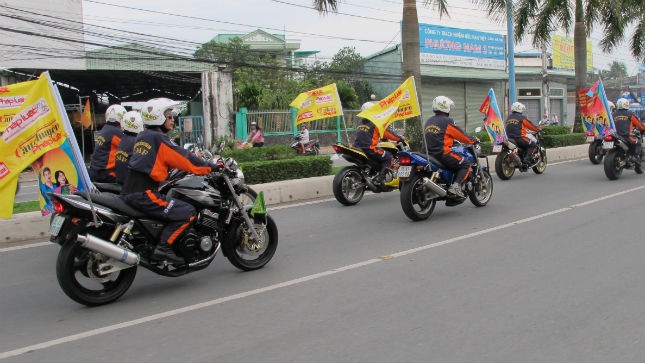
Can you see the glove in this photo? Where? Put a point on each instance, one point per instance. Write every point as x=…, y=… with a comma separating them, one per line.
x=218, y=166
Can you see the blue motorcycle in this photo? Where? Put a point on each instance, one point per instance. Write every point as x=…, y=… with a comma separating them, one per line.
x=425, y=180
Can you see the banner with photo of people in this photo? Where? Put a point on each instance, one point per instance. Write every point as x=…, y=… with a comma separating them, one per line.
x=594, y=110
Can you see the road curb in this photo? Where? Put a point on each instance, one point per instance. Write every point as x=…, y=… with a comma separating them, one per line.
x=30, y=226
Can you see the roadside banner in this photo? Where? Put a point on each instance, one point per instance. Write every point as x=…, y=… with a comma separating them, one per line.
x=11, y=99
x=401, y=104
x=86, y=116
x=39, y=126
x=493, y=119
x=595, y=113
x=318, y=103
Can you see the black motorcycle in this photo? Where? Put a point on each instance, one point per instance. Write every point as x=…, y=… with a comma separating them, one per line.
x=618, y=156
x=312, y=147
x=104, y=240
x=510, y=157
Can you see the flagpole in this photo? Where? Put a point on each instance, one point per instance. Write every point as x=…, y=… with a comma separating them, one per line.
x=80, y=110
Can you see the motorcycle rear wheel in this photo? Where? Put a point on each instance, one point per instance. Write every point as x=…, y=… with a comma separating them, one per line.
x=595, y=152
x=239, y=253
x=504, y=165
x=348, y=186
x=414, y=199
x=612, y=167
x=75, y=267
x=482, y=190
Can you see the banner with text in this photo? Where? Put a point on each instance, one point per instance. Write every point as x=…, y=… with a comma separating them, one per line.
x=563, y=55
x=493, y=119
x=319, y=103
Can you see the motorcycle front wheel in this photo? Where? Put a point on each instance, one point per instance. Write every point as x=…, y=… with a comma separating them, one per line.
x=417, y=204
x=504, y=165
x=482, y=189
x=348, y=186
x=541, y=165
x=77, y=272
x=613, y=169
x=595, y=152
x=246, y=254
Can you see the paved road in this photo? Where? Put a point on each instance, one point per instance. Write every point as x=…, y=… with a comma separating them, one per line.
x=550, y=271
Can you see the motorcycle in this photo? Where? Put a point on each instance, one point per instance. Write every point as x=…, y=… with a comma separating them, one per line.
x=350, y=183
x=509, y=157
x=618, y=156
x=312, y=147
x=596, y=152
x=103, y=240
x=426, y=181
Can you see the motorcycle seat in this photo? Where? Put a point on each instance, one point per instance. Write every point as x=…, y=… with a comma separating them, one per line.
x=436, y=162
x=114, y=202
x=108, y=187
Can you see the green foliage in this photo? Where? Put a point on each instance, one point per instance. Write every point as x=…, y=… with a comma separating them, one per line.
x=413, y=133
x=257, y=172
x=348, y=97
x=273, y=152
x=24, y=207
x=550, y=141
x=556, y=130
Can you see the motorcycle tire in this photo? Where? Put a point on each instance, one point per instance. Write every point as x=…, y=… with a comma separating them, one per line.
x=482, y=189
x=244, y=258
x=414, y=199
x=540, y=167
x=75, y=263
x=348, y=186
x=504, y=165
x=612, y=167
x=595, y=152
x=316, y=150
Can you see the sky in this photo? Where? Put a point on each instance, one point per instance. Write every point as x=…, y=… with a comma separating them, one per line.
x=367, y=25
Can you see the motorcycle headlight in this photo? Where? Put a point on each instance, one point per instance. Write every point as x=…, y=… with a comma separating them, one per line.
x=231, y=164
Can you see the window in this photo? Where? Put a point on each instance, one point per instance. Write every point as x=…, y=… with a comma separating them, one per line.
x=529, y=92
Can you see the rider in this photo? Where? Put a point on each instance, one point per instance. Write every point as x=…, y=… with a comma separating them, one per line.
x=625, y=122
x=132, y=124
x=103, y=160
x=368, y=136
x=516, y=126
x=440, y=133
x=153, y=154
x=303, y=138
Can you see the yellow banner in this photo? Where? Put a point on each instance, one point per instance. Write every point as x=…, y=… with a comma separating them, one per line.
x=11, y=99
x=35, y=128
x=563, y=53
x=398, y=105
x=86, y=116
x=319, y=103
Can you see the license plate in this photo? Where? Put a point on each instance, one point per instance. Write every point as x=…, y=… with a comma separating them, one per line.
x=404, y=171
x=590, y=138
x=607, y=144
x=57, y=224
x=497, y=148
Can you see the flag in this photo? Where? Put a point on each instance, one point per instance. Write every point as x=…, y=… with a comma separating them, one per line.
x=398, y=105
x=258, y=206
x=319, y=103
x=493, y=119
x=597, y=117
x=39, y=125
x=86, y=116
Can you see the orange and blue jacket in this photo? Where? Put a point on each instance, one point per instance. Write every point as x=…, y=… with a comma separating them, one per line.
x=440, y=132
x=367, y=136
x=104, y=156
x=153, y=155
x=123, y=153
x=625, y=122
x=516, y=126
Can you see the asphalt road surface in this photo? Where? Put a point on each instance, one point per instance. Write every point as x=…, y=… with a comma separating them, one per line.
x=550, y=271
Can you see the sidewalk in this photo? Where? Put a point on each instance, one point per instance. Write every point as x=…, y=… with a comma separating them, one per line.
x=31, y=226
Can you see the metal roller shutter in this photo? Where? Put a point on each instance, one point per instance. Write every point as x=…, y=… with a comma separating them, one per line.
x=476, y=94
x=453, y=90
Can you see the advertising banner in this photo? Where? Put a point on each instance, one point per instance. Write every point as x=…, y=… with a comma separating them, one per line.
x=319, y=103
x=595, y=113
x=563, y=56
x=493, y=119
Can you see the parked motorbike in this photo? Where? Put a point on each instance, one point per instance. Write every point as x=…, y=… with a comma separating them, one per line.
x=426, y=180
x=510, y=157
x=312, y=147
x=350, y=183
x=104, y=240
x=596, y=152
x=618, y=156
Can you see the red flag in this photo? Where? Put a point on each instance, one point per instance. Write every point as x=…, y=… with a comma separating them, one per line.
x=86, y=116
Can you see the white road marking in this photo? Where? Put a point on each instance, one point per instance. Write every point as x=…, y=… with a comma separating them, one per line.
x=189, y=308
x=15, y=248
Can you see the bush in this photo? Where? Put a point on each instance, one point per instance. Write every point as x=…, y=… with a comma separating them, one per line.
x=257, y=172
x=556, y=130
x=273, y=152
x=550, y=141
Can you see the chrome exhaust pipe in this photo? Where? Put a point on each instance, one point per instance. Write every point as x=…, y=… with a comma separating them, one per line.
x=431, y=186
x=109, y=249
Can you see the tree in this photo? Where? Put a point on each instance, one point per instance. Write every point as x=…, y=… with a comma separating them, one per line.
x=410, y=47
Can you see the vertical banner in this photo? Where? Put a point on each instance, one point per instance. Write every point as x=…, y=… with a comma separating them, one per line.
x=493, y=119
x=86, y=115
x=595, y=111
x=319, y=103
x=401, y=104
x=38, y=126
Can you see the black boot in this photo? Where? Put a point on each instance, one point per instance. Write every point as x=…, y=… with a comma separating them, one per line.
x=163, y=251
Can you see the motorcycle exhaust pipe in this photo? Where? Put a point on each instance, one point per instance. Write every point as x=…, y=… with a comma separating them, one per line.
x=109, y=249
x=431, y=186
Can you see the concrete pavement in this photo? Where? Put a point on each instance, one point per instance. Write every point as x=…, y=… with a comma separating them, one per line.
x=30, y=226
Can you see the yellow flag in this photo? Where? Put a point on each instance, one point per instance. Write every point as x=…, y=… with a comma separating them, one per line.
x=86, y=116
x=11, y=99
x=398, y=105
x=319, y=103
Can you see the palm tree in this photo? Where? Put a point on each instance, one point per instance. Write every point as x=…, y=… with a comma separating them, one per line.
x=410, y=47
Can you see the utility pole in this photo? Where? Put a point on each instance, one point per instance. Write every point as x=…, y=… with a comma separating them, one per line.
x=512, y=94
x=545, y=82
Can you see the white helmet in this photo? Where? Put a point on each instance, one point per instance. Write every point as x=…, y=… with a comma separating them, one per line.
x=622, y=104
x=611, y=106
x=442, y=103
x=153, y=111
x=132, y=122
x=518, y=107
x=373, y=97
x=114, y=113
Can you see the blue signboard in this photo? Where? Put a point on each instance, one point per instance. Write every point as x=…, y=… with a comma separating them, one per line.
x=461, y=47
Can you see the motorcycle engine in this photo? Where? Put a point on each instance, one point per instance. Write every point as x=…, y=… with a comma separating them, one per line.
x=198, y=242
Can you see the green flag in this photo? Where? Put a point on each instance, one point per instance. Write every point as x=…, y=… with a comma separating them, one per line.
x=258, y=206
